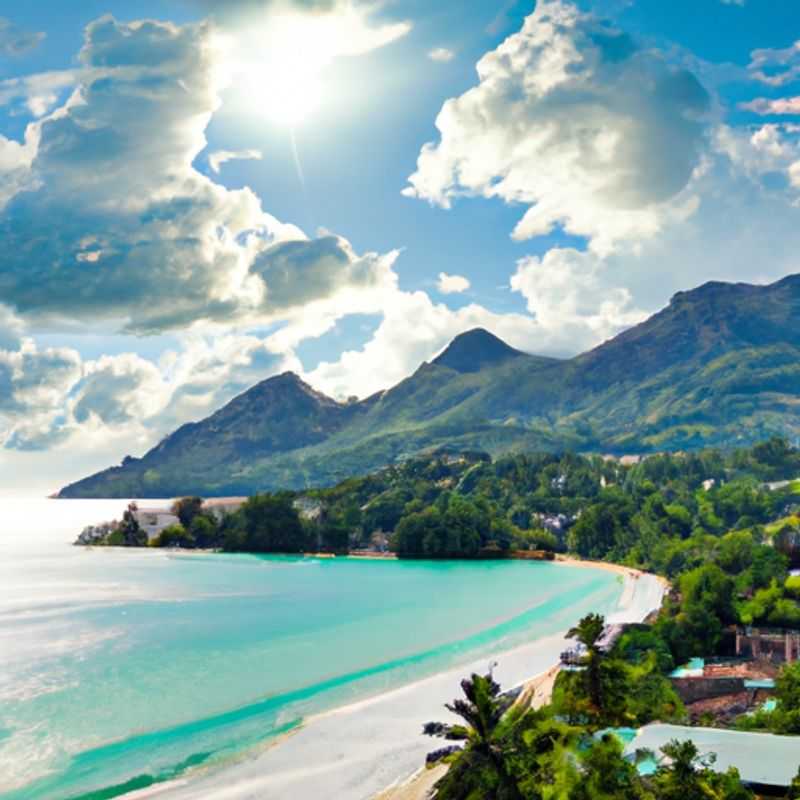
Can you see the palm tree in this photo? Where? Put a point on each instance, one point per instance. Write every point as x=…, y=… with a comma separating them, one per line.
x=588, y=632
x=482, y=711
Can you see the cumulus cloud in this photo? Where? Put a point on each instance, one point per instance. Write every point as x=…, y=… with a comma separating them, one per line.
x=765, y=154
x=220, y=157
x=441, y=54
x=573, y=119
x=776, y=66
x=561, y=120
x=567, y=294
x=33, y=387
x=153, y=244
x=452, y=284
x=15, y=41
x=51, y=396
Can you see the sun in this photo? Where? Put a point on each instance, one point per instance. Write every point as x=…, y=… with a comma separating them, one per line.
x=284, y=62
x=287, y=95
x=283, y=74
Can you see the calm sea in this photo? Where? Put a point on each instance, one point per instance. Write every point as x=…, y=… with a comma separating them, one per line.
x=122, y=668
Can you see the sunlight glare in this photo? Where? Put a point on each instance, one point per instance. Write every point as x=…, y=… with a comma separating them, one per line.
x=284, y=75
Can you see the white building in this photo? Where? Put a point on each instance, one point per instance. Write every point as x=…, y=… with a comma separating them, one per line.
x=153, y=520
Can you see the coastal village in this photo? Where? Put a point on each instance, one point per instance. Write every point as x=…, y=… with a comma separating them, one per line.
x=717, y=694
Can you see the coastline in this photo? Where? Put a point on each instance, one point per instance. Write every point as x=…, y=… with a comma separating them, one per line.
x=369, y=748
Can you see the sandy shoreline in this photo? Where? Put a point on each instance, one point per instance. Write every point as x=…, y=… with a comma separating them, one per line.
x=369, y=749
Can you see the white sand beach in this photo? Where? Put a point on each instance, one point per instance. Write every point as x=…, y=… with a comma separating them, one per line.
x=359, y=751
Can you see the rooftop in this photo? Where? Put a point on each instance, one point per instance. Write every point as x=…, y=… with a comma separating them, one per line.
x=761, y=758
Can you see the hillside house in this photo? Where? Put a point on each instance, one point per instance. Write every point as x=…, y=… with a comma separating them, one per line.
x=734, y=685
x=221, y=506
x=308, y=508
x=154, y=520
x=773, y=644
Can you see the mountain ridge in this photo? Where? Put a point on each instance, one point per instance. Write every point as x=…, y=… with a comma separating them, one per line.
x=719, y=365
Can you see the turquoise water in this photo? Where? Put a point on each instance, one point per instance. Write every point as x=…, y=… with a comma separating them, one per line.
x=121, y=668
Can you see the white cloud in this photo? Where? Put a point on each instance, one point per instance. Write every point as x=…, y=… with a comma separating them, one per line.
x=153, y=244
x=567, y=294
x=443, y=55
x=775, y=66
x=334, y=27
x=220, y=157
x=33, y=386
x=452, y=284
x=778, y=106
x=571, y=118
x=284, y=52
x=37, y=94
x=50, y=396
x=733, y=2
x=15, y=163
x=667, y=196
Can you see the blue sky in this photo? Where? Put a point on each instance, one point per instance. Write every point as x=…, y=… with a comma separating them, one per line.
x=192, y=200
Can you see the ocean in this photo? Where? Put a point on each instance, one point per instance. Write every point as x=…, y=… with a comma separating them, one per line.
x=122, y=668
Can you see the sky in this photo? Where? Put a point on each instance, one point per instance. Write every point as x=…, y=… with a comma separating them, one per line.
x=197, y=195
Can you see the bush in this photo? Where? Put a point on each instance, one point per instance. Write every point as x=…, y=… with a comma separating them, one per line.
x=174, y=536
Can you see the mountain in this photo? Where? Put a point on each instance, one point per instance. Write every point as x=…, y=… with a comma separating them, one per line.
x=475, y=350
x=720, y=365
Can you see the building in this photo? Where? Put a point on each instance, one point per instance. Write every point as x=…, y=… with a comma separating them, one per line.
x=220, y=506
x=308, y=508
x=767, y=763
x=703, y=679
x=154, y=520
x=773, y=644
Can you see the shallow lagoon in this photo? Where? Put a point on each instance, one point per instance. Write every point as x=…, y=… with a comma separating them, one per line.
x=118, y=668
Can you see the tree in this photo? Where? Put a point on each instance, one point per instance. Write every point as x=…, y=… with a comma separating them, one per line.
x=606, y=774
x=186, y=509
x=588, y=631
x=595, y=532
x=130, y=532
x=173, y=536
x=203, y=530
x=695, y=626
x=269, y=524
x=688, y=776
x=787, y=692
x=482, y=732
x=335, y=534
